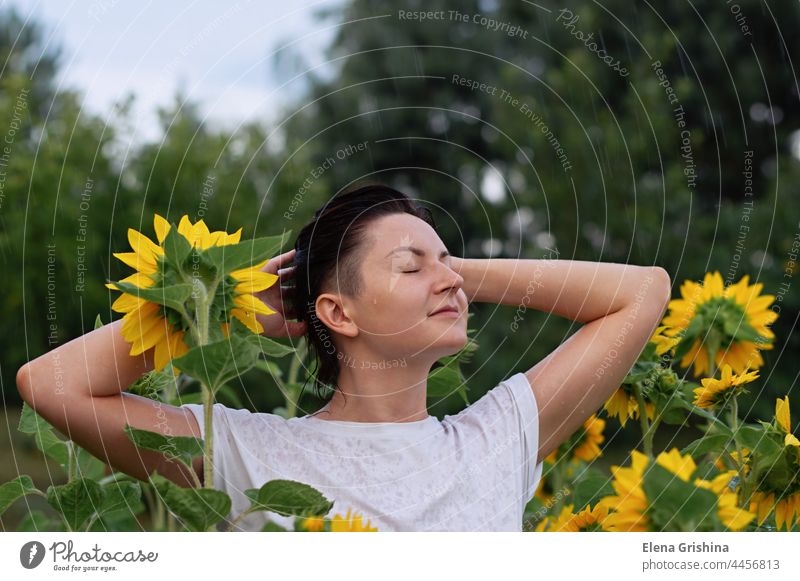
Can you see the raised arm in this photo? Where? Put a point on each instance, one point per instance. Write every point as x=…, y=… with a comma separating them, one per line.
x=619, y=305
x=79, y=388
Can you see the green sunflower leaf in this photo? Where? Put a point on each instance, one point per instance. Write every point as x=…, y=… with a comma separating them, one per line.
x=217, y=363
x=236, y=256
x=706, y=444
x=446, y=380
x=122, y=496
x=15, y=489
x=173, y=296
x=268, y=346
x=176, y=248
x=287, y=498
x=181, y=448
x=198, y=508
x=76, y=500
x=676, y=505
x=46, y=440
x=592, y=486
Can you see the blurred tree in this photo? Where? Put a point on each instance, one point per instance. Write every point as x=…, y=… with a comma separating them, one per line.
x=534, y=143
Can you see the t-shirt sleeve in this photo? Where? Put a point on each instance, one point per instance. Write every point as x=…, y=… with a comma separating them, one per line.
x=509, y=412
x=528, y=418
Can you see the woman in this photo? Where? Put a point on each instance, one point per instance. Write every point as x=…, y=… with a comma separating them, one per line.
x=380, y=301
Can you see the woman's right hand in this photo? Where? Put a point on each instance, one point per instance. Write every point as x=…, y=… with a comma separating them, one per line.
x=279, y=324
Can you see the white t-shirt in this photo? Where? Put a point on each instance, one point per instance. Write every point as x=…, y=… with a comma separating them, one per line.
x=474, y=471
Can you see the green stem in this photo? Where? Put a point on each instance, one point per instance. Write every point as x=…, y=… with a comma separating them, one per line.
x=208, y=410
x=71, y=460
x=712, y=365
x=735, y=430
x=156, y=507
x=651, y=433
x=648, y=443
x=235, y=521
x=202, y=307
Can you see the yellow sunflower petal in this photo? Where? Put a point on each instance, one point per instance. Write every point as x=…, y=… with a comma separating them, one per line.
x=782, y=414
x=185, y=228
x=249, y=319
x=147, y=340
x=255, y=281
x=251, y=303
x=142, y=245
x=126, y=303
x=137, y=261
x=234, y=238
x=161, y=227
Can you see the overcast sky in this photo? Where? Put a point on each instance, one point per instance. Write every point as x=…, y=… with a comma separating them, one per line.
x=220, y=52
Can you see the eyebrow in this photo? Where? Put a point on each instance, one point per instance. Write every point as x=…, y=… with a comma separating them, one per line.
x=416, y=251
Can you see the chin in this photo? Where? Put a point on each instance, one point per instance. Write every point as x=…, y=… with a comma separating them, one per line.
x=451, y=343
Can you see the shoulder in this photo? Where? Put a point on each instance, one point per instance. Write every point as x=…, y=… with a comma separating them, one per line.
x=510, y=398
x=237, y=420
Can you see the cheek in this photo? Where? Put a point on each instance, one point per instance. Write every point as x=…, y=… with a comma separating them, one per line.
x=400, y=309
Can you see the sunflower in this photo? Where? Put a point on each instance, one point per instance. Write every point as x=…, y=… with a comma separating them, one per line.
x=662, y=342
x=551, y=523
x=720, y=462
x=587, y=520
x=631, y=503
x=623, y=405
x=718, y=391
x=762, y=504
x=787, y=511
x=313, y=524
x=787, y=508
x=587, y=448
x=784, y=420
x=348, y=523
x=730, y=320
x=148, y=324
x=729, y=513
x=583, y=444
x=780, y=486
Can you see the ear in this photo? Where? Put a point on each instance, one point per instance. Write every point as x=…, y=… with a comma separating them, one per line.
x=332, y=312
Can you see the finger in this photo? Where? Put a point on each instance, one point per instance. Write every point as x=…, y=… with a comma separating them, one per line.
x=295, y=329
x=272, y=266
x=286, y=257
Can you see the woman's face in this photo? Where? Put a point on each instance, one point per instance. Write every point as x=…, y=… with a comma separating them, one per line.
x=406, y=276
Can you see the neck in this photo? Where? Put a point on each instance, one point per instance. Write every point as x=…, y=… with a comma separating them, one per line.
x=379, y=390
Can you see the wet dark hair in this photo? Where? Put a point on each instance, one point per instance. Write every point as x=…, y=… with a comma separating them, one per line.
x=333, y=238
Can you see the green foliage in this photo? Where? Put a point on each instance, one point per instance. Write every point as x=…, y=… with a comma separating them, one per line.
x=288, y=498
x=198, y=508
x=676, y=505
x=181, y=448
x=76, y=500
x=15, y=489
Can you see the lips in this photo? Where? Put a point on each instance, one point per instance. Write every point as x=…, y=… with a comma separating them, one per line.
x=444, y=309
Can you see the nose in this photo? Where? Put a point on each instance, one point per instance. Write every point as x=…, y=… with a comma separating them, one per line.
x=449, y=279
